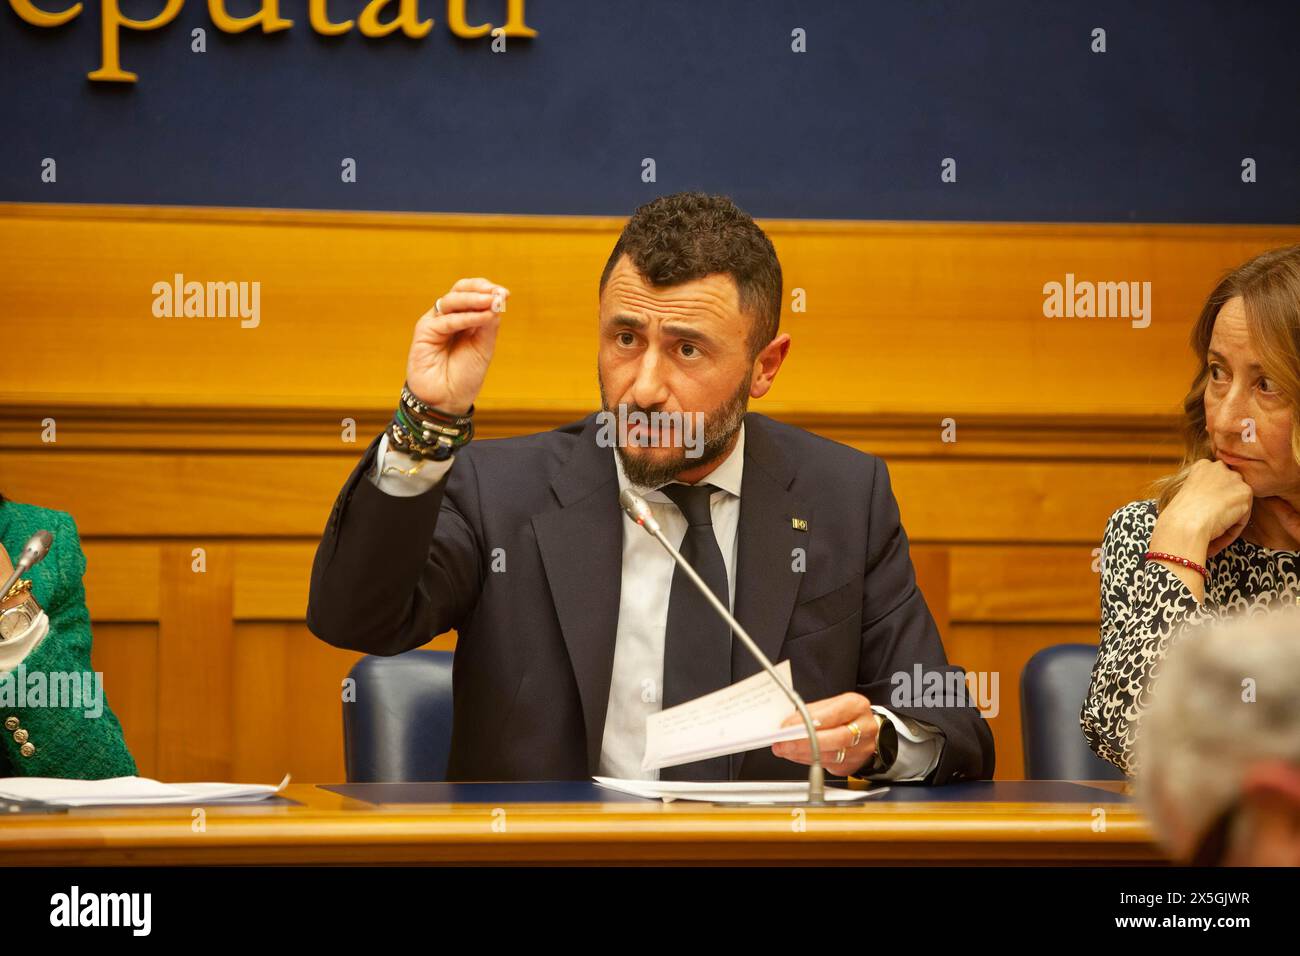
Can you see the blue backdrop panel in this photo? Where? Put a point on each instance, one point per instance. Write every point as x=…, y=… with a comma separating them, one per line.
x=1042, y=128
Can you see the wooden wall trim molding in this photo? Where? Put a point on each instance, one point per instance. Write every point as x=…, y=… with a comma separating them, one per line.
x=459, y=222
x=141, y=428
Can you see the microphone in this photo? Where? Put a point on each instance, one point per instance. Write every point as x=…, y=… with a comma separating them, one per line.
x=36, y=548
x=636, y=508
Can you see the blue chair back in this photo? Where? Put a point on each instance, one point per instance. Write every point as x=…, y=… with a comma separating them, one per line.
x=1052, y=688
x=398, y=728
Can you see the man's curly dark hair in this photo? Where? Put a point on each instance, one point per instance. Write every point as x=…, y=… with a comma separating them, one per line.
x=689, y=235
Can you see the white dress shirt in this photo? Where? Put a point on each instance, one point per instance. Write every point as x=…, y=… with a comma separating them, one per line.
x=647, y=574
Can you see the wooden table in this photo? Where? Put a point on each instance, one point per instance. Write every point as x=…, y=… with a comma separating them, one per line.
x=326, y=827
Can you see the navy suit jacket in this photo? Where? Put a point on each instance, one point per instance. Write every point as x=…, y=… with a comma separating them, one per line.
x=535, y=642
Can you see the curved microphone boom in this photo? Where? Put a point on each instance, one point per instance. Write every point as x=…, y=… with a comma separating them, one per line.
x=637, y=509
x=36, y=548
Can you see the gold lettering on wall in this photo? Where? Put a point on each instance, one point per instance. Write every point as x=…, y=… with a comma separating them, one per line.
x=459, y=25
x=269, y=17
x=407, y=19
x=43, y=18
x=112, y=20
x=514, y=25
x=321, y=23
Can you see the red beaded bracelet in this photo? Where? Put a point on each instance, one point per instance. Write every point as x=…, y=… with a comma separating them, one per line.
x=1161, y=556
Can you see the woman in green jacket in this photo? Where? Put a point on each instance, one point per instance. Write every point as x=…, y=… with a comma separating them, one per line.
x=56, y=720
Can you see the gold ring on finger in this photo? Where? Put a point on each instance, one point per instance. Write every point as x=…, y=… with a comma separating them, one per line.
x=857, y=733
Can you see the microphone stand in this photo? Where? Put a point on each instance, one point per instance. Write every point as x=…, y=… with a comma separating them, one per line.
x=637, y=509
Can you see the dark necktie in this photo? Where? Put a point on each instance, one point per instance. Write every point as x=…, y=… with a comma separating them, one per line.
x=697, y=642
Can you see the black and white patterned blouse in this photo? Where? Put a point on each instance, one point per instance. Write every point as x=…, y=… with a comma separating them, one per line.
x=1144, y=609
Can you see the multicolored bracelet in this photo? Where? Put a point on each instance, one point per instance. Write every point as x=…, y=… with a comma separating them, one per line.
x=428, y=412
x=423, y=431
x=1161, y=556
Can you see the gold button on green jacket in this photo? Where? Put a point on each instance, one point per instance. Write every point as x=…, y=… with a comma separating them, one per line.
x=53, y=708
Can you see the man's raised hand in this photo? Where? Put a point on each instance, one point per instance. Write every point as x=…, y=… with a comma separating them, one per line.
x=453, y=345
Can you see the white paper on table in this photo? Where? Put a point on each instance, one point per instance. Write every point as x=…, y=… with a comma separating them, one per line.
x=131, y=791
x=732, y=791
x=745, y=716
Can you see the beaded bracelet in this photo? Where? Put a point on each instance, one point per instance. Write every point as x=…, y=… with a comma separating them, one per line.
x=426, y=411
x=1161, y=556
x=423, y=431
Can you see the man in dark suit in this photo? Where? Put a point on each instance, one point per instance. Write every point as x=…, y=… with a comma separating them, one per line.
x=573, y=624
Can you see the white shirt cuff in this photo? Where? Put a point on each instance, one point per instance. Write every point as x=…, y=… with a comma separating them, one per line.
x=919, y=746
x=391, y=467
x=15, y=650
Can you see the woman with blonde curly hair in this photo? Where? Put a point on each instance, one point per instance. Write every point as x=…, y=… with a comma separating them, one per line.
x=1223, y=533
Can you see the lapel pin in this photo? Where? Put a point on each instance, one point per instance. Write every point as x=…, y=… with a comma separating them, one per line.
x=799, y=524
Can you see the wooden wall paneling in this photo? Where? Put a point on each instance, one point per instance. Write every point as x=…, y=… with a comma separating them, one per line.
x=895, y=311
x=127, y=656
x=196, y=692
x=932, y=565
x=1003, y=649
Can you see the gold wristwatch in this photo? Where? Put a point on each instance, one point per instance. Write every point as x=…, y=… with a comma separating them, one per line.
x=18, y=609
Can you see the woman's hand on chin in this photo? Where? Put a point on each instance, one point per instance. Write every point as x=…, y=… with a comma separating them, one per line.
x=1209, y=512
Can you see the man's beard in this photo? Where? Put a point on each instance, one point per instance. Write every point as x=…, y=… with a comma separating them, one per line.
x=720, y=426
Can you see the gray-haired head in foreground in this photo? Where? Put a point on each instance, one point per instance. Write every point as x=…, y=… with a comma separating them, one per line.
x=1227, y=700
